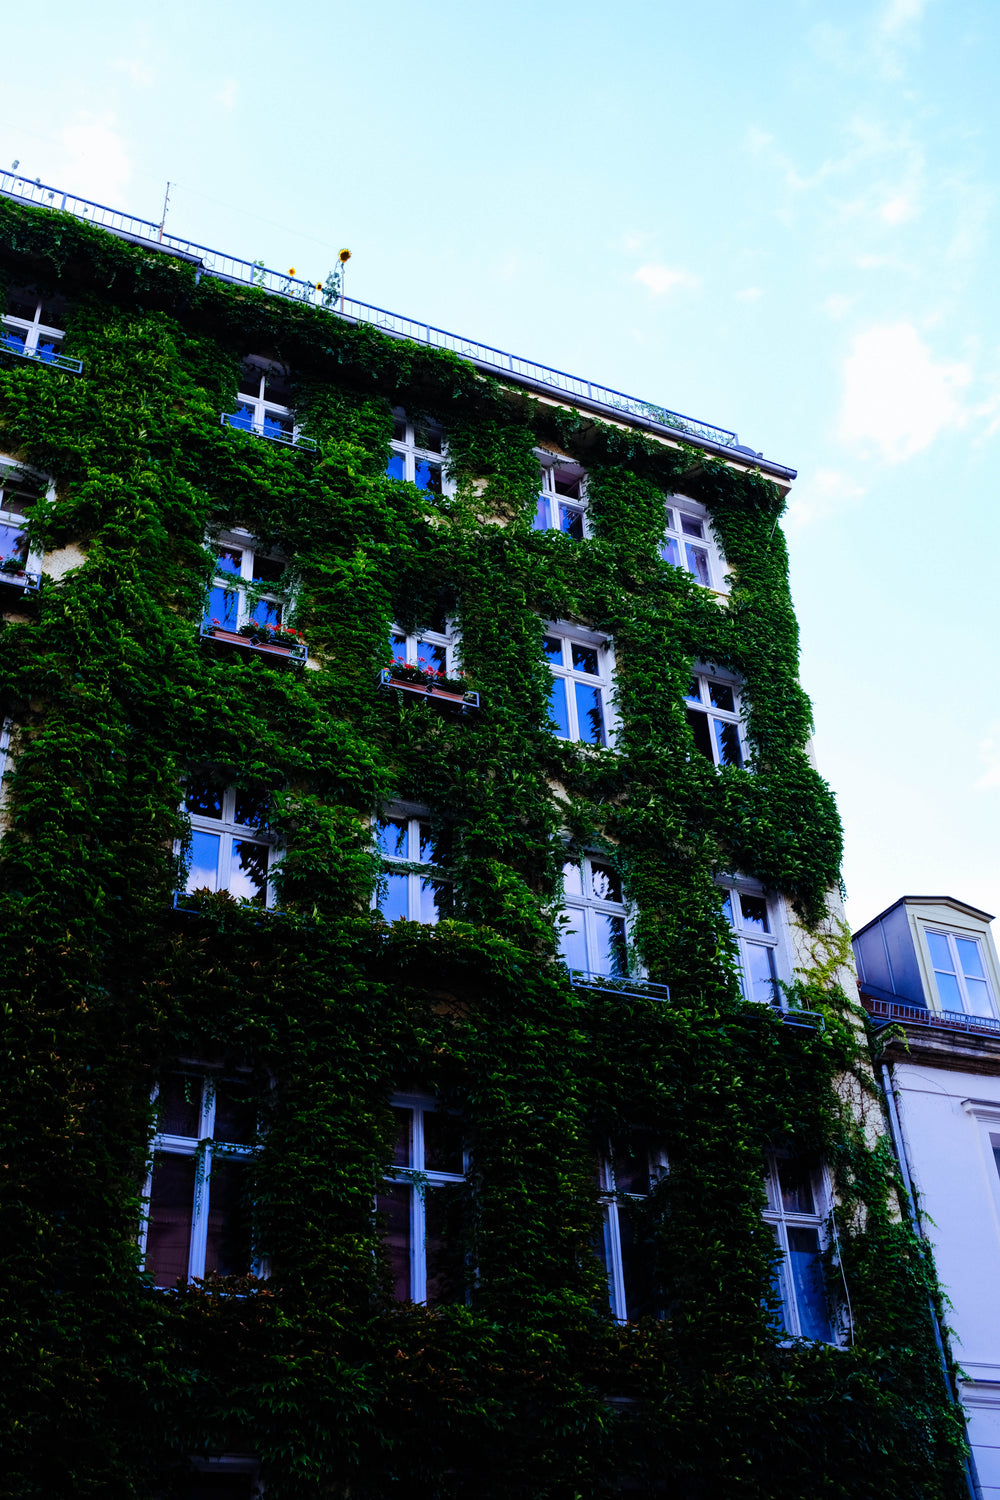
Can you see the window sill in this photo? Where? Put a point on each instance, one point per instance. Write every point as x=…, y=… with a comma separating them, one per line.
x=463, y=701
x=58, y=361
x=229, y=419
x=26, y=582
x=295, y=654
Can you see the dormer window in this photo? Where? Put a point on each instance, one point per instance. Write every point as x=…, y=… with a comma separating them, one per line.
x=562, y=501
x=960, y=974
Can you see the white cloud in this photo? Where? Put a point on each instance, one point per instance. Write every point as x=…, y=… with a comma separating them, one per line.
x=897, y=398
x=137, y=69
x=825, y=493
x=898, y=14
x=897, y=209
x=662, y=279
x=837, y=305
x=227, y=94
x=749, y=294
x=95, y=163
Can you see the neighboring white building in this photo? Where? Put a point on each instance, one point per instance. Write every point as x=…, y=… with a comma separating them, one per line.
x=929, y=963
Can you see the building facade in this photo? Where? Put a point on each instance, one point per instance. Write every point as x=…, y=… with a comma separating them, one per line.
x=433, y=1065
x=928, y=969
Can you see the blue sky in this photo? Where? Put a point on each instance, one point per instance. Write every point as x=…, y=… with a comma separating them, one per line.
x=779, y=217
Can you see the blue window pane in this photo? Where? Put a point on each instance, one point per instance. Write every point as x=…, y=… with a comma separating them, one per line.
x=427, y=476
x=223, y=608
x=552, y=646
x=277, y=426
x=391, y=837
x=558, y=709
x=590, y=714
x=727, y=741
x=397, y=645
x=940, y=952
x=248, y=872
x=396, y=467
x=572, y=944
x=13, y=546
x=204, y=871
x=978, y=992
x=242, y=417
x=228, y=560
x=541, y=521
x=721, y=696
x=951, y=995
x=611, y=957
x=395, y=903
x=432, y=656
x=571, y=522
x=807, y=1280
x=754, y=912
x=697, y=561
x=428, y=852
x=585, y=659
x=760, y=977
x=691, y=526
x=203, y=798
x=670, y=552
x=46, y=352
x=429, y=902
x=968, y=957
x=12, y=341
x=266, y=612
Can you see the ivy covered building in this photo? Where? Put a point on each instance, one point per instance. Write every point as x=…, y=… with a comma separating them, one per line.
x=431, y=1065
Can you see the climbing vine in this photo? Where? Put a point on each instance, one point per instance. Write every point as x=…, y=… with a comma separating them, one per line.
x=526, y=1387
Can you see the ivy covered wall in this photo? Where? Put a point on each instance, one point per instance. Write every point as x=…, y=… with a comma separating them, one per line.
x=528, y=1388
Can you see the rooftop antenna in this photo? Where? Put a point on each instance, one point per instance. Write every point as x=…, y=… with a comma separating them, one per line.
x=166, y=200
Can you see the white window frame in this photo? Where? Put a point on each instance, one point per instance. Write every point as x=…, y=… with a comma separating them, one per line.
x=588, y=908
x=239, y=538
x=413, y=816
x=10, y=468
x=404, y=445
x=781, y=1220
x=206, y=1149
x=705, y=676
x=419, y=1178
x=228, y=829
x=951, y=935
x=774, y=941
x=262, y=410
x=611, y=1198
x=411, y=641
x=549, y=513
x=678, y=544
x=34, y=332
x=569, y=635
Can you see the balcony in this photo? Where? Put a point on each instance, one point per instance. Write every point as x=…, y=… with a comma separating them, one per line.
x=18, y=578
x=626, y=988
x=885, y=1012
x=44, y=354
x=271, y=430
x=286, y=645
x=434, y=687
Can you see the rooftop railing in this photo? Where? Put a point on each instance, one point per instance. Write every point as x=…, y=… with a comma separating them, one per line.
x=255, y=273
x=916, y=1015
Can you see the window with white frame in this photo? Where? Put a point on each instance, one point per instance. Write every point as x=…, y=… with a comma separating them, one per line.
x=798, y=1204
x=231, y=848
x=712, y=703
x=408, y=889
x=420, y=1203
x=754, y=920
x=263, y=401
x=562, y=499
x=245, y=587
x=197, y=1221
x=627, y=1174
x=434, y=648
x=33, y=325
x=417, y=453
x=19, y=490
x=582, y=666
x=689, y=543
x=960, y=973
x=593, y=937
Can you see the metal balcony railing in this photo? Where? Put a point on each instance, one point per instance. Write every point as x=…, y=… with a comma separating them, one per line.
x=255, y=273
x=43, y=356
x=888, y=1011
x=628, y=988
x=273, y=433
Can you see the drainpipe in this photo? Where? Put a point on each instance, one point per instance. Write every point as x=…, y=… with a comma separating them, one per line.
x=899, y=1146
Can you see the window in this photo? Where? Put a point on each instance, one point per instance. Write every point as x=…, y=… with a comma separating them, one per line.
x=797, y=1206
x=405, y=841
x=689, y=543
x=417, y=453
x=960, y=974
x=420, y=1202
x=595, y=938
x=754, y=923
x=18, y=492
x=32, y=325
x=231, y=849
x=245, y=583
x=713, y=714
x=197, y=1222
x=433, y=648
x=562, y=502
x=582, y=664
x=263, y=401
x=626, y=1177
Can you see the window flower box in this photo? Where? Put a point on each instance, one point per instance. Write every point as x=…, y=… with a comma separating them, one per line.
x=426, y=683
x=272, y=640
x=13, y=573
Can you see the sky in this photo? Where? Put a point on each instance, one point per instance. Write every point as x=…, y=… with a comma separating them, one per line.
x=779, y=217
